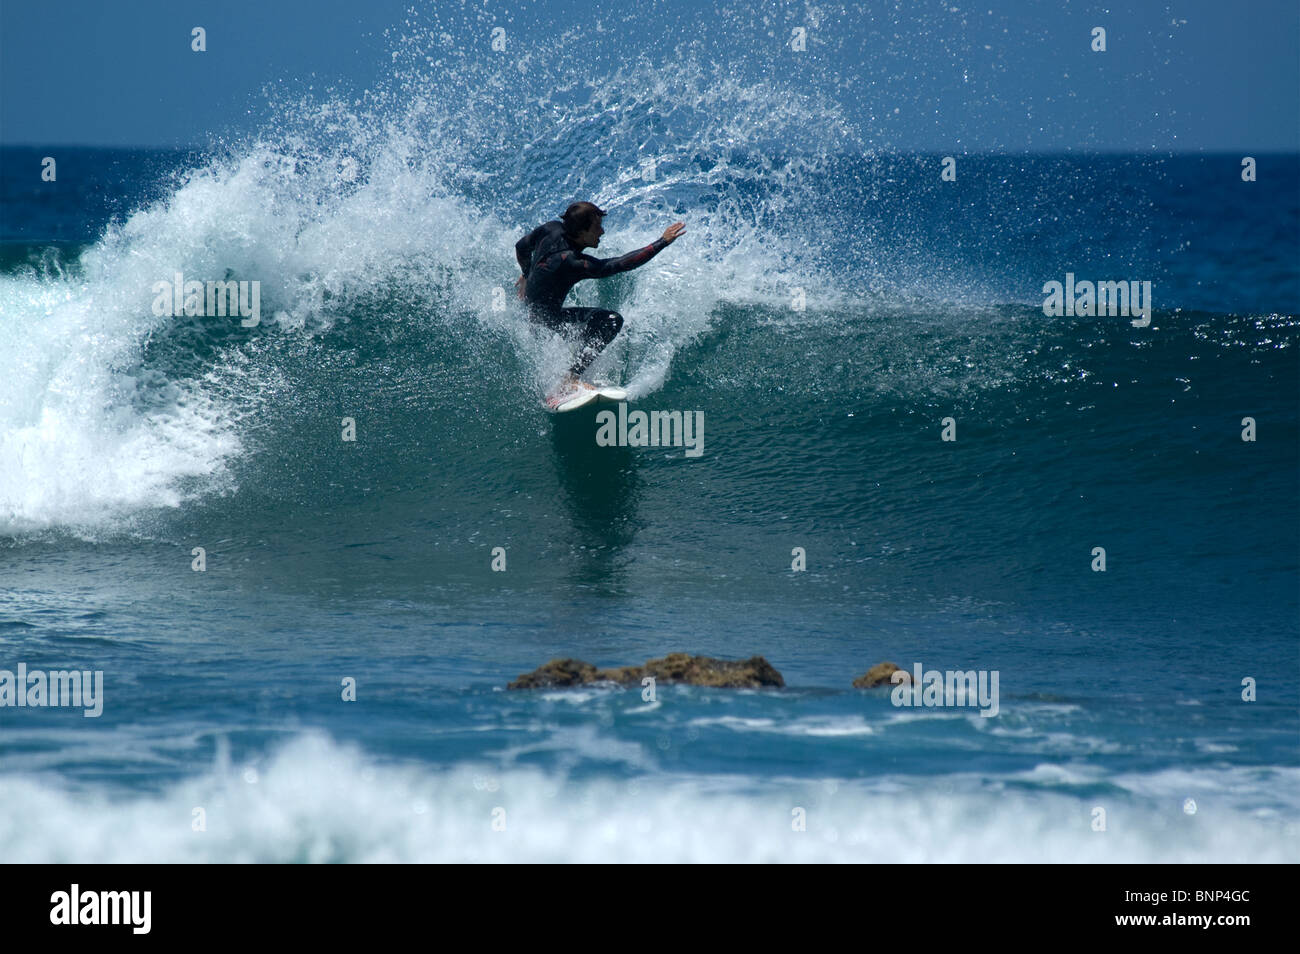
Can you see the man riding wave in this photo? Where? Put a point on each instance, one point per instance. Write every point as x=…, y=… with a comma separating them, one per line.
x=552, y=262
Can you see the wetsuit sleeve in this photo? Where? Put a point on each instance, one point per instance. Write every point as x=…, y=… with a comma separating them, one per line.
x=524, y=249
x=584, y=266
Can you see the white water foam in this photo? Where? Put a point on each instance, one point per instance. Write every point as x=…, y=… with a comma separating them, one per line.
x=316, y=801
x=76, y=446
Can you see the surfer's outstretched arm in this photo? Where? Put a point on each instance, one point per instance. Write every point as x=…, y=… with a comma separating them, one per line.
x=589, y=267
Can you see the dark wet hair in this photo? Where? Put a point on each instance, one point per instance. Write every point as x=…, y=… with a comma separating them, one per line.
x=581, y=216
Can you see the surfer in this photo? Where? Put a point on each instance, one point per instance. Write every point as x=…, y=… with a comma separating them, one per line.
x=552, y=262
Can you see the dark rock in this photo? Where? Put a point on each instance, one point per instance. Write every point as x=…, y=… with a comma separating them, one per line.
x=557, y=672
x=753, y=673
x=880, y=675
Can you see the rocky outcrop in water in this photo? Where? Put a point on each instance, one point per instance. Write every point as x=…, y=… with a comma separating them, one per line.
x=879, y=675
x=753, y=673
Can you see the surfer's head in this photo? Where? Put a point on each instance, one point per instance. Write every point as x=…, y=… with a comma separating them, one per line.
x=582, y=224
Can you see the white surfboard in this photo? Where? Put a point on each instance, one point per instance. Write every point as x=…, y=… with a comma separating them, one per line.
x=604, y=394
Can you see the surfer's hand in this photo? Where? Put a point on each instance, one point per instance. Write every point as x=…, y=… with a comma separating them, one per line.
x=674, y=230
x=520, y=285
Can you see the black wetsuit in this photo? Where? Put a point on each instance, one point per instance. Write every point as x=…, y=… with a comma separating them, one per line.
x=552, y=265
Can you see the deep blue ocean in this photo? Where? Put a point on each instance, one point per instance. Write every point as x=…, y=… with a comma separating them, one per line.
x=828, y=308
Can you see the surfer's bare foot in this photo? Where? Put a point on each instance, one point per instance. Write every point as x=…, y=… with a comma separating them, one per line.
x=565, y=389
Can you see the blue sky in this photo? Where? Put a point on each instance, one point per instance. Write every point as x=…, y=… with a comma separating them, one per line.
x=924, y=75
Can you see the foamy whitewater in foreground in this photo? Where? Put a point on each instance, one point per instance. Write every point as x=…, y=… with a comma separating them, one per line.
x=319, y=802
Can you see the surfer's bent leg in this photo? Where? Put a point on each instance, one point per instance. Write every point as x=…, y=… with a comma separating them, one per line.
x=602, y=325
x=596, y=328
